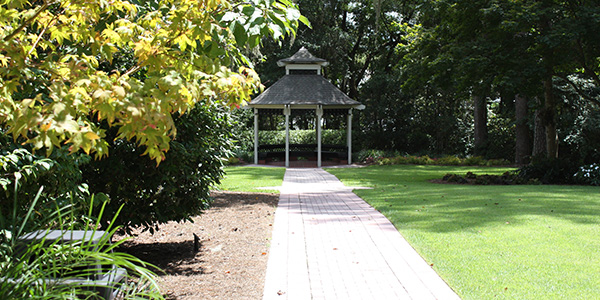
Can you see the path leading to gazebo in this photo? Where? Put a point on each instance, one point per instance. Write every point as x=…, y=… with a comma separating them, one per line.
x=330, y=244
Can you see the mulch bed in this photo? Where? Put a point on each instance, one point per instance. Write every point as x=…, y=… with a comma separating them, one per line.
x=234, y=240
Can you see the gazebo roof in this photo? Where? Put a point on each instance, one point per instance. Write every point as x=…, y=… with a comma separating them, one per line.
x=303, y=90
x=302, y=57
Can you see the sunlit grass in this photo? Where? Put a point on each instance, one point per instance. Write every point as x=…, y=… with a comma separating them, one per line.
x=248, y=179
x=507, y=242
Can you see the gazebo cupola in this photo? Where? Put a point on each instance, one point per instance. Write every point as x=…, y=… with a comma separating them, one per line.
x=303, y=88
x=303, y=63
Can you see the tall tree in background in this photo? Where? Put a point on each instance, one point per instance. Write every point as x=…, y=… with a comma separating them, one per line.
x=513, y=47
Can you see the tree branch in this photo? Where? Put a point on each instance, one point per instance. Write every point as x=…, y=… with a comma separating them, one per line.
x=27, y=22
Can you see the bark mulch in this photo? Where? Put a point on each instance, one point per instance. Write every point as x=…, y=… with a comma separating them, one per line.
x=234, y=240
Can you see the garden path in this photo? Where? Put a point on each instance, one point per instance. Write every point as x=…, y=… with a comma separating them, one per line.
x=330, y=244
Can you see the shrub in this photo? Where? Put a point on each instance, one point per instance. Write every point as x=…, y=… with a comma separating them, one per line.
x=548, y=171
x=176, y=190
x=496, y=162
x=588, y=175
x=448, y=161
x=475, y=161
x=384, y=161
x=22, y=173
x=369, y=156
x=274, y=137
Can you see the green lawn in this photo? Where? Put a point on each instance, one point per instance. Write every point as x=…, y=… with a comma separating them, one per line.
x=506, y=242
x=247, y=179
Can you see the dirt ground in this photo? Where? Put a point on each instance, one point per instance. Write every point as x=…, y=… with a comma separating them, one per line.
x=234, y=240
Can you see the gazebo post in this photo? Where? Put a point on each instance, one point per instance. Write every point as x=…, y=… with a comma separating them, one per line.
x=256, y=136
x=287, y=111
x=349, y=136
x=319, y=118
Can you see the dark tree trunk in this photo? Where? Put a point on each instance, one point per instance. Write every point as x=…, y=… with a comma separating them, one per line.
x=550, y=119
x=539, y=134
x=480, y=117
x=522, y=138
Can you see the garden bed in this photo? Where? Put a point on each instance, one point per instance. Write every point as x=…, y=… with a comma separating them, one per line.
x=234, y=243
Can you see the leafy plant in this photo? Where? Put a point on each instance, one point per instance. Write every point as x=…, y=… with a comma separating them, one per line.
x=549, y=171
x=59, y=173
x=176, y=190
x=45, y=268
x=59, y=76
x=588, y=174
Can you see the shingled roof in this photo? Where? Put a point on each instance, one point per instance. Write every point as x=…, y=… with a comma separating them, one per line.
x=303, y=90
x=302, y=57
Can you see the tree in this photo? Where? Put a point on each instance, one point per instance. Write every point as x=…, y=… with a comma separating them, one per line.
x=510, y=47
x=54, y=84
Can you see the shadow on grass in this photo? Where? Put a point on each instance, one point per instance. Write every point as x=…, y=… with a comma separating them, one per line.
x=454, y=209
x=406, y=197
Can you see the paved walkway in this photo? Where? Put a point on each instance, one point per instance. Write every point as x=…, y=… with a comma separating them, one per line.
x=330, y=244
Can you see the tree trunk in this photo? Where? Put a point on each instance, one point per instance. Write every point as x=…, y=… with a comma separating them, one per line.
x=550, y=119
x=522, y=140
x=539, y=134
x=480, y=117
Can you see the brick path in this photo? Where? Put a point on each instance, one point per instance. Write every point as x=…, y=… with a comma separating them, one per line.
x=330, y=244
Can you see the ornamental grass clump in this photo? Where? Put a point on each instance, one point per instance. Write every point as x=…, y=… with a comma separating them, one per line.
x=36, y=264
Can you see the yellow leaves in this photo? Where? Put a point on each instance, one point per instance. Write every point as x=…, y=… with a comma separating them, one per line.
x=102, y=95
x=184, y=41
x=119, y=91
x=92, y=135
x=111, y=35
x=3, y=61
x=46, y=127
x=78, y=37
x=143, y=50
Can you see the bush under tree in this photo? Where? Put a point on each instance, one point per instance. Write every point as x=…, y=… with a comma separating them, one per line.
x=176, y=190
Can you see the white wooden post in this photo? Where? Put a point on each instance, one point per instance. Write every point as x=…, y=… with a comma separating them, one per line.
x=319, y=118
x=256, y=136
x=349, y=136
x=287, y=111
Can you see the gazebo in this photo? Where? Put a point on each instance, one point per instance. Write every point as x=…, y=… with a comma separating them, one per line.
x=303, y=88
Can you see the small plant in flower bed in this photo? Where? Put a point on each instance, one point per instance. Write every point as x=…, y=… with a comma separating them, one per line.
x=588, y=175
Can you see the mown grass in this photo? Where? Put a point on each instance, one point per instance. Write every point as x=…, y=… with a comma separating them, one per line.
x=248, y=179
x=505, y=242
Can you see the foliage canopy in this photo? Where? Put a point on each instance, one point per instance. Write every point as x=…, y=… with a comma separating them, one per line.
x=60, y=70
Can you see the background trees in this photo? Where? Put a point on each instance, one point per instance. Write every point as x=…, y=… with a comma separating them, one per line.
x=491, y=78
